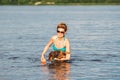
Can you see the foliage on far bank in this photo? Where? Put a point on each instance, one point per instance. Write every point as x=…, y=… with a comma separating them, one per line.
x=57, y=2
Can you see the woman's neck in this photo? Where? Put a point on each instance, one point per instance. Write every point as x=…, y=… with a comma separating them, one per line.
x=60, y=38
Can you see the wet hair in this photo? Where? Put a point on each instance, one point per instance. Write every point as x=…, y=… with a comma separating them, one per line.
x=62, y=25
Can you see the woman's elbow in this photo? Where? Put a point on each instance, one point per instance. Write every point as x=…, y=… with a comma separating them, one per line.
x=68, y=58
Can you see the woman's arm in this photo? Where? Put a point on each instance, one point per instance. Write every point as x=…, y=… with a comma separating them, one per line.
x=68, y=50
x=45, y=49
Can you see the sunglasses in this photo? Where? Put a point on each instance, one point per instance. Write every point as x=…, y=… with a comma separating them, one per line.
x=60, y=32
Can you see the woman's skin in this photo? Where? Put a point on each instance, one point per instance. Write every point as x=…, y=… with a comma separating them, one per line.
x=58, y=43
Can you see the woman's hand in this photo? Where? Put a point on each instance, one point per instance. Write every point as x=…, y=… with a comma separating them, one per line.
x=57, y=59
x=62, y=59
x=43, y=60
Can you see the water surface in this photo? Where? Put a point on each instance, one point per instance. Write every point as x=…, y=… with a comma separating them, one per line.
x=94, y=33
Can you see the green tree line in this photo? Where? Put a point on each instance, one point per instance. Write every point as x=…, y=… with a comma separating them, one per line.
x=40, y=2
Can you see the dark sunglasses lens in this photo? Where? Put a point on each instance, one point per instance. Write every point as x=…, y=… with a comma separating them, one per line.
x=60, y=32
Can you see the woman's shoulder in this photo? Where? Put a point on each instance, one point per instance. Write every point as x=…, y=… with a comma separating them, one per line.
x=67, y=39
x=54, y=37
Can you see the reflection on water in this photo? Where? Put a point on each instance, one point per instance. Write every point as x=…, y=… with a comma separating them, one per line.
x=57, y=71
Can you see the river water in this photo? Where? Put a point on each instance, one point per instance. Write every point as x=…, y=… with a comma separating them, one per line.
x=94, y=33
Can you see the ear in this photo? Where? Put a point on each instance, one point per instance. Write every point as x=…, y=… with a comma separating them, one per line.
x=51, y=52
x=50, y=55
x=64, y=53
x=61, y=52
x=50, y=58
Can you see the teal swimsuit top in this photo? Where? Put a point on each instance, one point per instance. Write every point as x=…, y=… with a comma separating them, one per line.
x=61, y=49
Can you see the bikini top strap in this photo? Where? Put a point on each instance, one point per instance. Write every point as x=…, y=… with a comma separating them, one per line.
x=64, y=40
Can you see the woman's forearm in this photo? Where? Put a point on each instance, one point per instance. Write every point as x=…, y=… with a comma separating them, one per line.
x=65, y=59
x=45, y=50
x=62, y=59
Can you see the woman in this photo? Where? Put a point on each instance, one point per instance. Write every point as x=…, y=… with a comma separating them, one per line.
x=58, y=42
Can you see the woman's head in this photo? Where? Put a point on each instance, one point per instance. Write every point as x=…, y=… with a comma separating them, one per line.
x=63, y=26
x=61, y=29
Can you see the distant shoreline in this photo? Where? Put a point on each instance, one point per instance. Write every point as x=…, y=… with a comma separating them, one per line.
x=59, y=2
x=65, y=4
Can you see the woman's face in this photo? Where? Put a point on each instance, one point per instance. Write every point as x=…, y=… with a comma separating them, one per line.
x=60, y=32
